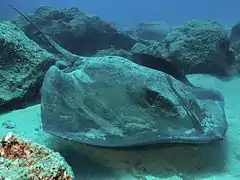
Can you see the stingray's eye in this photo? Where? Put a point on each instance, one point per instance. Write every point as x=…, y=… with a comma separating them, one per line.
x=155, y=99
x=157, y=102
x=152, y=97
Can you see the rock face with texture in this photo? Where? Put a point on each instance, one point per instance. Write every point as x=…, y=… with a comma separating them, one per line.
x=74, y=31
x=111, y=101
x=21, y=159
x=235, y=37
x=196, y=47
x=23, y=65
x=235, y=45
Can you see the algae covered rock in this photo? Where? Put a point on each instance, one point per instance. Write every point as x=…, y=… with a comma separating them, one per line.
x=22, y=66
x=75, y=31
x=111, y=101
x=196, y=47
x=21, y=159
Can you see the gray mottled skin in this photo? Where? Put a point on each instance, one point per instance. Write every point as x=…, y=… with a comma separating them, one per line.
x=113, y=102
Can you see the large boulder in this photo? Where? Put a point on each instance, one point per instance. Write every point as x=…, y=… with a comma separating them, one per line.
x=23, y=65
x=235, y=46
x=111, y=101
x=196, y=47
x=75, y=31
x=235, y=38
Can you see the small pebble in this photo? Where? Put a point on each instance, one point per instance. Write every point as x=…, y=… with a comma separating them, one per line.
x=8, y=124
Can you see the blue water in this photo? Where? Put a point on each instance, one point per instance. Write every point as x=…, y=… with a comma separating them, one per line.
x=129, y=12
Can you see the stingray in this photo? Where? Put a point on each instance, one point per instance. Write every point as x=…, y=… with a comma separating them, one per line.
x=155, y=63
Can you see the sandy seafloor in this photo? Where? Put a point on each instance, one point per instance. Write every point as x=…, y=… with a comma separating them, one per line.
x=219, y=160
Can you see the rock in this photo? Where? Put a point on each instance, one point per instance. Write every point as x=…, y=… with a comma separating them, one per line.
x=21, y=159
x=8, y=124
x=235, y=38
x=23, y=65
x=196, y=47
x=73, y=30
x=235, y=33
x=138, y=48
x=235, y=68
x=149, y=31
x=153, y=30
x=113, y=102
x=113, y=52
x=130, y=31
x=235, y=46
